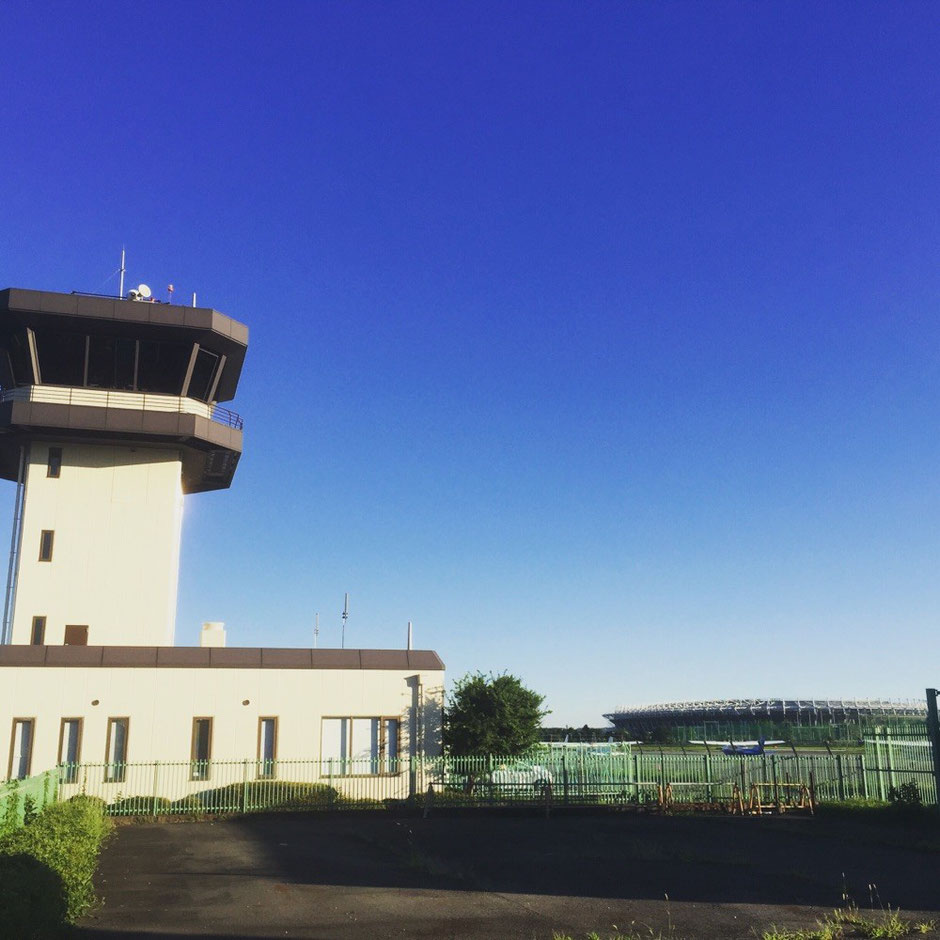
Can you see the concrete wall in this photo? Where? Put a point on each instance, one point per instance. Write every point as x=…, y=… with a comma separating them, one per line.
x=116, y=513
x=161, y=704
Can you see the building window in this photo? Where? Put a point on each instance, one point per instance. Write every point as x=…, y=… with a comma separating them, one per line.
x=201, y=750
x=54, y=466
x=38, y=637
x=360, y=745
x=116, y=750
x=70, y=748
x=21, y=748
x=45, y=545
x=76, y=634
x=267, y=748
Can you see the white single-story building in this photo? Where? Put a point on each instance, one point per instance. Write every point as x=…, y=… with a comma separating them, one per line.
x=362, y=712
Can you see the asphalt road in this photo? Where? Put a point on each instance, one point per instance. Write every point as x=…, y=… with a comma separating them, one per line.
x=370, y=875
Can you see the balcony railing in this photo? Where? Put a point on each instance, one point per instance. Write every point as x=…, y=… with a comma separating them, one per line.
x=129, y=401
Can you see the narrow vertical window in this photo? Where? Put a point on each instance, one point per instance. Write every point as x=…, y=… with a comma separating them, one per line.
x=267, y=748
x=201, y=750
x=70, y=748
x=38, y=637
x=390, y=745
x=21, y=748
x=365, y=745
x=54, y=466
x=334, y=745
x=45, y=545
x=116, y=750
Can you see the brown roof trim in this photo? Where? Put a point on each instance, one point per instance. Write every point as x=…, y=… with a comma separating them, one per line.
x=200, y=657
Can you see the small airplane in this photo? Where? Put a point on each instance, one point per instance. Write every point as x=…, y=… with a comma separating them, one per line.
x=743, y=748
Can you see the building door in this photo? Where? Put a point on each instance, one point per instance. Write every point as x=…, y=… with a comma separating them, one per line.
x=76, y=634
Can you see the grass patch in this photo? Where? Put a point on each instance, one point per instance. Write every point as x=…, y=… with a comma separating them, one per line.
x=850, y=922
x=46, y=868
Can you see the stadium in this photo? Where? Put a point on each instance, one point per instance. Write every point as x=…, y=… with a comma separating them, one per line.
x=798, y=720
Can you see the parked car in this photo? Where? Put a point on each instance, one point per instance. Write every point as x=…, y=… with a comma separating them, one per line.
x=522, y=778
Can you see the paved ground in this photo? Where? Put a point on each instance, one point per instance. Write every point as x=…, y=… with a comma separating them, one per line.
x=364, y=876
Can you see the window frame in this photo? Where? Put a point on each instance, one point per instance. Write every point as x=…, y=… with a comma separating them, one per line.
x=200, y=768
x=54, y=463
x=42, y=544
x=71, y=775
x=115, y=771
x=32, y=739
x=388, y=766
x=262, y=772
x=39, y=622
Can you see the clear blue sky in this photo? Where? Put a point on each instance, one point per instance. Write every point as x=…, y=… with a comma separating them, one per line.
x=601, y=340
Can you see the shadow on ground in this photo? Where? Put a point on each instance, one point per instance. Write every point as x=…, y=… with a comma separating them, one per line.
x=377, y=874
x=713, y=859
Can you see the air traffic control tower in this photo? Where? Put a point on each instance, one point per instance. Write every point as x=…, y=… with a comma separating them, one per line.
x=109, y=414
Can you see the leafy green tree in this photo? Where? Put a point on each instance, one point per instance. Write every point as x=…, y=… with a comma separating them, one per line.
x=492, y=715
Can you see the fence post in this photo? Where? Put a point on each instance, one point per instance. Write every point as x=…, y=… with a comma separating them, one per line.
x=879, y=770
x=890, y=750
x=773, y=769
x=156, y=786
x=933, y=732
x=863, y=773
x=636, y=775
x=564, y=776
x=244, y=786
x=840, y=775
x=708, y=778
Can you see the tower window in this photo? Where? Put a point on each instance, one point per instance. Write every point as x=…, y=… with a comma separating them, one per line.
x=39, y=631
x=54, y=466
x=61, y=357
x=45, y=545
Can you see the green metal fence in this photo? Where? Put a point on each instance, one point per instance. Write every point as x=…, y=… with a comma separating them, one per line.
x=893, y=759
x=567, y=776
x=195, y=787
x=19, y=799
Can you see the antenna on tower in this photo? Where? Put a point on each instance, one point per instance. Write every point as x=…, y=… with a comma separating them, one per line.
x=121, y=286
x=409, y=634
x=345, y=618
x=316, y=630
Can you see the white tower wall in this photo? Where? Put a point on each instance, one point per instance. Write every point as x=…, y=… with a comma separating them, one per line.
x=116, y=513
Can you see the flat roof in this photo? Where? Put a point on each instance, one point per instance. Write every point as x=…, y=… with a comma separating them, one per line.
x=209, y=657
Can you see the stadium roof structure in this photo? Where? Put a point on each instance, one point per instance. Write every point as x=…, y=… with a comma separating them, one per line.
x=798, y=710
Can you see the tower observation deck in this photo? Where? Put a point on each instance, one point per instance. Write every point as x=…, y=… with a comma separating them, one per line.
x=109, y=413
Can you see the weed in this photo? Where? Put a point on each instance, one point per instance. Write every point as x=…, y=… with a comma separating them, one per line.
x=849, y=921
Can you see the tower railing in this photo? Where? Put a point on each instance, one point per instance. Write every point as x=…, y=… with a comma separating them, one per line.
x=131, y=401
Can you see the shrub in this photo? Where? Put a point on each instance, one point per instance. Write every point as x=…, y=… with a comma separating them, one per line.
x=907, y=795
x=46, y=868
x=260, y=795
x=139, y=806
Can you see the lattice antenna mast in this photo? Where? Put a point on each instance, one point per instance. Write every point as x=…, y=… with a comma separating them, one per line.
x=345, y=618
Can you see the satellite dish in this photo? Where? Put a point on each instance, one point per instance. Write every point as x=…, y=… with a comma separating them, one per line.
x=143, y=291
